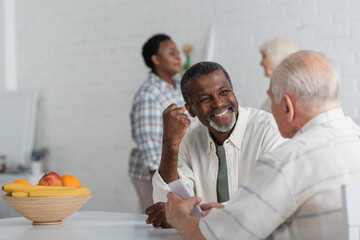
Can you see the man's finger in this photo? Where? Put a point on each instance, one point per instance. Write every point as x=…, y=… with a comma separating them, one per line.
x=178, y=111
x=159, y=214
x=187, y=122
x=156, y=215
x=205, y=213
x=194, y=200
x=159, y=221
x=208, y=206
x=152, y=217
x=205, y=207
x=170, y=108
x=181, y=109
x=149, y=210
x=154, y=207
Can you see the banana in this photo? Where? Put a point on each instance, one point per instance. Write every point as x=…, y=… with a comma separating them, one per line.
x=12, y=187
x=59, y=192
x=19, y=194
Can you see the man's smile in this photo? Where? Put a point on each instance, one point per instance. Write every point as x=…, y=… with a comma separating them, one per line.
x=221, y=113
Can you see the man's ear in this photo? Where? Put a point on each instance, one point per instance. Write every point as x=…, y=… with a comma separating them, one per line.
x=190, y=110
x=155, y=59
x=289, y=108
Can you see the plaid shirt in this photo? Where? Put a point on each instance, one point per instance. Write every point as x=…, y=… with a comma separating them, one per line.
x=153, y=97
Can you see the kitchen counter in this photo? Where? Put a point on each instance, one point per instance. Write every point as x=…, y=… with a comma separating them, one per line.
x=87, y=225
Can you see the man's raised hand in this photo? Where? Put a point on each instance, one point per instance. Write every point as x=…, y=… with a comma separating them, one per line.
x=175, y=123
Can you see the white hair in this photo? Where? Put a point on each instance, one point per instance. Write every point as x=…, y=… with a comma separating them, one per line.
x=310, y=77
x=277, y=49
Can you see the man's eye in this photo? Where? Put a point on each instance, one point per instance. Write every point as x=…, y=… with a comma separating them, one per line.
x=223, y=92
x=204, y=99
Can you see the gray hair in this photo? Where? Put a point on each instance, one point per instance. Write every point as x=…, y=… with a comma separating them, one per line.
x=277, y=49
x=310, y=77
x=196, y=71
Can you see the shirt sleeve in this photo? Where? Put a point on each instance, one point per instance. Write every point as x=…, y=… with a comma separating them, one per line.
x=147, y=130
x=161, y=189
x=262, y=204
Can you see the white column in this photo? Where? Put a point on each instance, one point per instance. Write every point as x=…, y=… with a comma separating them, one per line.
x=10, y=45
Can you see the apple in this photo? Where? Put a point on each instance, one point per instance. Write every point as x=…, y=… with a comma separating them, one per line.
x=51, y=179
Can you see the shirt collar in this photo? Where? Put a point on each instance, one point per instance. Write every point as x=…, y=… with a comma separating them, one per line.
x=321, y=118
x=237, y=134
x=163, y=84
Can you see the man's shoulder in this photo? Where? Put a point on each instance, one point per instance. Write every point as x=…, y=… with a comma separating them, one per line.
x=285, y=151
x=309, y=142
x=258, y=116
x=319, y=139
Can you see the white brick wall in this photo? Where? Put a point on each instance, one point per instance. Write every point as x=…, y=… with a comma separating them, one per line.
x=84, y=56
x=2, y=50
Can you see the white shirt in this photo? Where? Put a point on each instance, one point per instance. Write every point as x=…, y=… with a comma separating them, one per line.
x=294, y=192
x=254, y=134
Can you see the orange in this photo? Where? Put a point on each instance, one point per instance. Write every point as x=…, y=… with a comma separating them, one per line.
x=71, y=181
x=21, y=181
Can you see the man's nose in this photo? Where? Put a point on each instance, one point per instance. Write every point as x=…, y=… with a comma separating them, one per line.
x=217, y=101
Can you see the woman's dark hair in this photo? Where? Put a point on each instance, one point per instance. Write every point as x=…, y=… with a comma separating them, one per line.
x=151, y=48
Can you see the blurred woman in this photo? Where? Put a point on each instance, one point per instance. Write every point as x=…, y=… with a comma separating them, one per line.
x=273, y=51
x=160, y=90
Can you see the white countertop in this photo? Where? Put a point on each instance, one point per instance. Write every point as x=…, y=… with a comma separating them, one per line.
x=84, y=225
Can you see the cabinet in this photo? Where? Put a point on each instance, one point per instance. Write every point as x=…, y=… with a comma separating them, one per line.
x=18, y=110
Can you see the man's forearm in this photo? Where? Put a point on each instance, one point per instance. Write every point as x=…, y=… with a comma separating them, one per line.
x=175, y=123
x=189, y=229
x=168, y=164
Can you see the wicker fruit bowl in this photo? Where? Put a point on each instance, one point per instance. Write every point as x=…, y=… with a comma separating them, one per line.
x=46, y=210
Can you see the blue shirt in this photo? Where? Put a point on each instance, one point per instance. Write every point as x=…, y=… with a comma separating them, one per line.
x=153, y=97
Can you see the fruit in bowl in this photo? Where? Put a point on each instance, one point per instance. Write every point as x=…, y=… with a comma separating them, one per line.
x=51, y=179
x=71, y=181
x=46, y=210
x=45, y=204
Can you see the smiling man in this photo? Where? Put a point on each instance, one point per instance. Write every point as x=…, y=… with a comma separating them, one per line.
x=216, y=157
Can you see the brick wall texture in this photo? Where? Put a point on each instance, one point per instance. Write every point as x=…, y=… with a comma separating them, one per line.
x=85, y=58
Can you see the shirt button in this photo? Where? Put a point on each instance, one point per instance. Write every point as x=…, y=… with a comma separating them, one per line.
x=214, y=166
x=213, y=193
